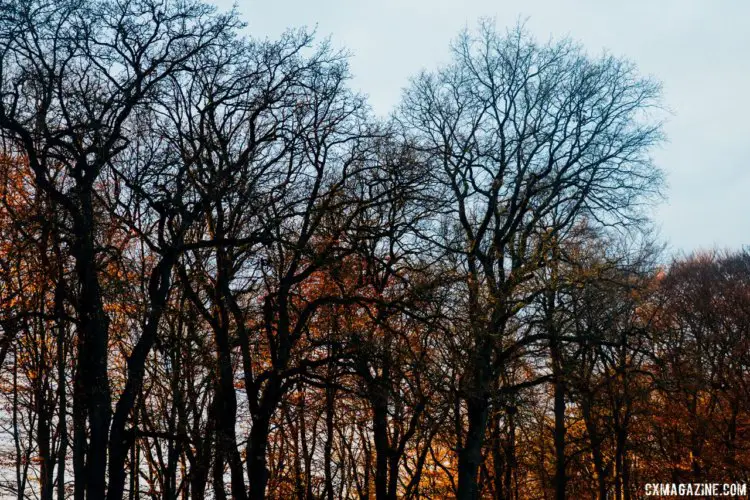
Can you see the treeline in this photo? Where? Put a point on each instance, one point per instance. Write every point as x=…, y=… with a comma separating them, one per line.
x=222, y=277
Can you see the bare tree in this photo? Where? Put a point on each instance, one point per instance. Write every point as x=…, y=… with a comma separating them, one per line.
x=525, y=139
x=71, y=76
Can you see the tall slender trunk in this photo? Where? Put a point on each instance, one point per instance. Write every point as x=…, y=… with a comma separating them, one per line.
x=618, y=476
x=511, y=469
x=307, y=455
x=218, y=472
x=20, y=475
x=259, y=432
x=43, y=410
x=622, y=486
x=120, y=439
x=199, y=470
x=43, y=438
x=257, y=458
x=498, y=458
x=559, y=412
x=558, y=380
x=200, y=460
x=173, y=445
x=625, y=475
x=62, y=425
x=264, y=405
x=365, y=495
x=296, y=431
x=477, y=411
x=134, y=471
x=328, y=446
x=393, y=465
x=380, y=433
x=476, y=391
x=595, y=441
x=470, y=455
x=560, y=478
x=227, y=417
x=93, y=390
x=79, y=428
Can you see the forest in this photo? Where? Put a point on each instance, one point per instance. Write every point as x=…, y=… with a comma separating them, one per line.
x=222, y=276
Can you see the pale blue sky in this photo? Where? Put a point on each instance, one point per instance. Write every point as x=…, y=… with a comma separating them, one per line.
x=700, y=50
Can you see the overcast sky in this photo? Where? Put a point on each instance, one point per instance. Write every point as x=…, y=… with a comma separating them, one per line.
x=700, y=50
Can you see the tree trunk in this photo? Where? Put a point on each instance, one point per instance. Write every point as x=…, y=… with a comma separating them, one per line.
x=511, y=469
x=619, y=456
x=121, y=440
x=470, y=455
x=559, y=411
x=560, y=478
x=62, y=425
x=43, y=443
x=218, y=471
x=20, y=473
x=380, y=434
x=328, y=447
x=44, y=425
x=256, y=460
x=200, y=467
x=498, y=459
x=79, y=430
x=596, y=447
x=173, y=445
x=307, y=455
x=393, y=464
x=93, y=377
x=227, y=417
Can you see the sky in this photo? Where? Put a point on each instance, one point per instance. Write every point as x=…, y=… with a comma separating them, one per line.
x=699, y=50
